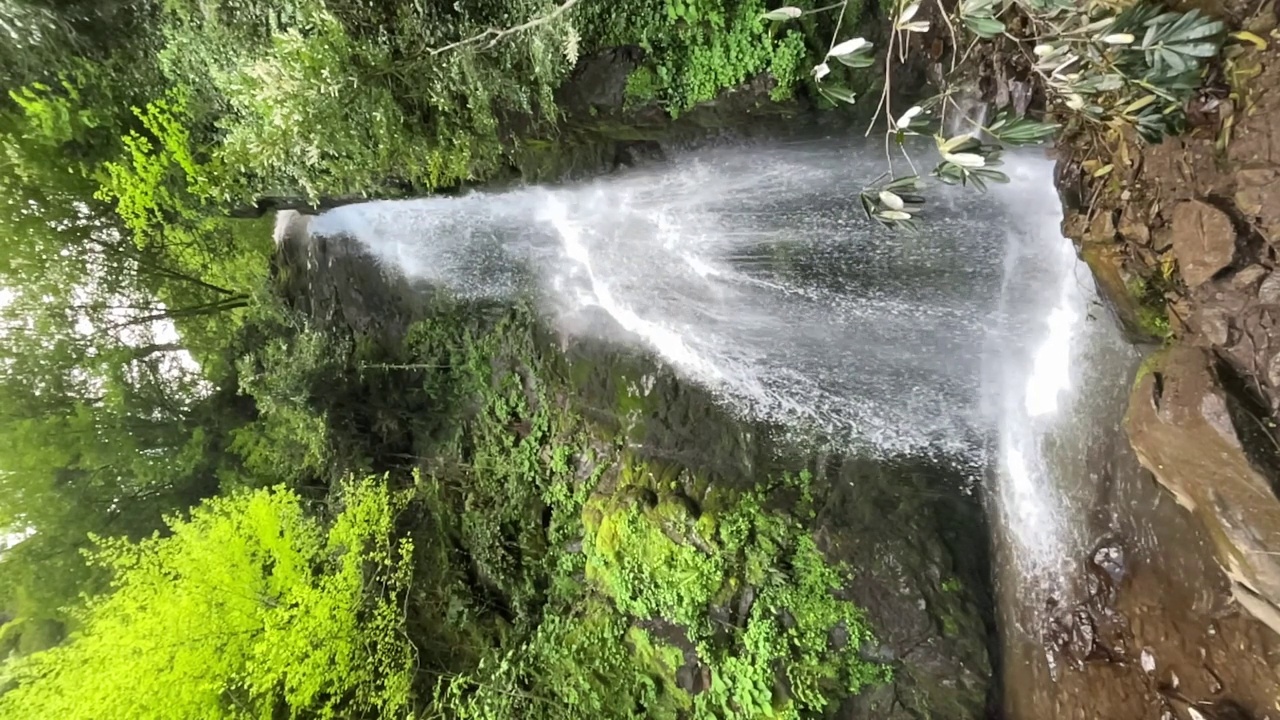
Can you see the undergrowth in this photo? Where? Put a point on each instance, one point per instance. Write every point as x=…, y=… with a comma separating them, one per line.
x=695, y=49
x=543, y=570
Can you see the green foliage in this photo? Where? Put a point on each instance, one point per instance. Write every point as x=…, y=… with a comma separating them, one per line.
x=642, y=86
x=289, y=440
x=249, y=606
x=1138, y=67
x=653, y=564
x=572, y=667
x=521, y=607
x=698, y=48
x=1149, y=295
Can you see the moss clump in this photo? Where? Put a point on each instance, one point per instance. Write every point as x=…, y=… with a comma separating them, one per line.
x=1152, y=314
x=762, y=564
x=642, y=86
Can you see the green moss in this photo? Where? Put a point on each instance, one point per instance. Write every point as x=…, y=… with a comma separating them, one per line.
x=647, y=574
x=1152, y=315
x=642, y=86
x=637, y=559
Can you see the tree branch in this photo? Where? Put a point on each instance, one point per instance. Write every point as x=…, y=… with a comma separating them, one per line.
x=495, y=35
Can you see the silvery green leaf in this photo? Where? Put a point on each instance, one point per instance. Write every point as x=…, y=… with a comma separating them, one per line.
x=848, y=47
x=891, y=201
x=893, y=215
x=907, y=182
x=908, y=13
x=856, y=60
x=1119, y=39
x=1202, y=50
x=908, y=116
x=1098, y=26
x=986, y=27
x=959, y=143
x=783, y=13
x=835, y=93
x=992, y=175
x=964, y=159
x=868, y=205
x=919, y=26
x=1163, y=19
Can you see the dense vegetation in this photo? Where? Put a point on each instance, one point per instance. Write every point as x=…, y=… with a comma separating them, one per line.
x=216, y=506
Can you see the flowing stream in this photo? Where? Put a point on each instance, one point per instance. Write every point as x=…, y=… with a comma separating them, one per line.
x=754, y=272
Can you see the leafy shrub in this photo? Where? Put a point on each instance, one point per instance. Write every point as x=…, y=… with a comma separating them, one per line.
x=250, y=606
x=698, y=48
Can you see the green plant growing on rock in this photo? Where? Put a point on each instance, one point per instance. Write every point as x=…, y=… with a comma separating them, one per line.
x=662, y=564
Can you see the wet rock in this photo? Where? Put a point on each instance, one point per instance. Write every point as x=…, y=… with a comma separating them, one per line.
x=1204, y=240
x=1183, y=432
x=919, y=592
x=745, y=601
x=1213, y=324
x=1102, y=228
x=1246, y=279
x=639, y=496
x=599, y=81
x=693, y=678
x=1107, y=261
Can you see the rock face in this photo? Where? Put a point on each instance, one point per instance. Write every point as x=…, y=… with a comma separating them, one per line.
x=920, y=567
x=1185, y=430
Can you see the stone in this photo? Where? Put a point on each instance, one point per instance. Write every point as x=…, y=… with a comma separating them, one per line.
x=1182, y=431
x=1102, y=228
x=1107, y=261
x=1161, y=238
x=1133, y=226
x=1213, y=325
x=1245, y=279
x=1204, y=240
x=1258, y=195
x=1269, y=291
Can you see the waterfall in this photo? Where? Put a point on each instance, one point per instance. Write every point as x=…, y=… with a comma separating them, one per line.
x=754, y=272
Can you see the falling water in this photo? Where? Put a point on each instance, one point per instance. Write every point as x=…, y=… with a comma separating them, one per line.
x=754, y=272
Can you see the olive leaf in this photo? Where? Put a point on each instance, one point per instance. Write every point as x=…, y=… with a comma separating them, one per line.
x=783, y=13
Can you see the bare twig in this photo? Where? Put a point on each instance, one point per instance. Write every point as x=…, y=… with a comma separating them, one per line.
x=951, y=29
x=496, y=35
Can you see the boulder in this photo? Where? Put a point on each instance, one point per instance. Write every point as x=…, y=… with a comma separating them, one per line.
x=1184, y=427
x=1204, y=240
